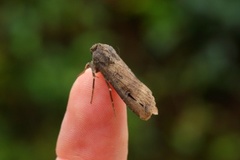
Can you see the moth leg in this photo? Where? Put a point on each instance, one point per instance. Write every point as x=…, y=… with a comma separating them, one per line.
x=86, y=67
x=93, y=86
x=90, y=65
x=110, y=93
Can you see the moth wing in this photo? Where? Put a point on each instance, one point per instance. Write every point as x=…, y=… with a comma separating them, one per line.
x=132, y=90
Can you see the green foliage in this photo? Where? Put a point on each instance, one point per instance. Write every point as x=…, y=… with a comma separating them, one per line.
x=186, y=51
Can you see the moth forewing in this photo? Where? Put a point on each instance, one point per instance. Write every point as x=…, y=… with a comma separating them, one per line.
x=144, y=105
x=137, y=96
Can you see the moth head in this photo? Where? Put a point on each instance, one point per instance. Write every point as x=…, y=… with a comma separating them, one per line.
x=103, y=48
x=103, y=53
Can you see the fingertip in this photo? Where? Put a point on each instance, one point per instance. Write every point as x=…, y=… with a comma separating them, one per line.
x=89, y=128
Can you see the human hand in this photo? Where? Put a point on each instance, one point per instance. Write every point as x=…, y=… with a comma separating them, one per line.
x=93, y=131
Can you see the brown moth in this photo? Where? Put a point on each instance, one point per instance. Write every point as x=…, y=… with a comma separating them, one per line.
x=137, y=96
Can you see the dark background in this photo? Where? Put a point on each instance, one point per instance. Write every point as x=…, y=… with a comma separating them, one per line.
x=186, y=51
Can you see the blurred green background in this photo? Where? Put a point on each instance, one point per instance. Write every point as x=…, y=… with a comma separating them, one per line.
x=186, y=51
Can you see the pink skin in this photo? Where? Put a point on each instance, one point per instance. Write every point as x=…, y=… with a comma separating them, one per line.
x=93, y=131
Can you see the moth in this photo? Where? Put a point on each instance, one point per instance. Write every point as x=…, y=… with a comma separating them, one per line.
x=137, y=96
